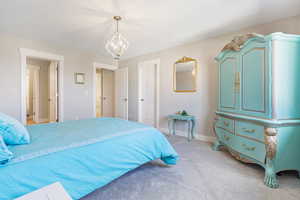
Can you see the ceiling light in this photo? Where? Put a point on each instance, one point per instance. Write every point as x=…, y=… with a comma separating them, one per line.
x=118, y=44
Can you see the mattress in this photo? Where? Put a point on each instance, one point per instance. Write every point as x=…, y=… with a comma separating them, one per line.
x=82, y=155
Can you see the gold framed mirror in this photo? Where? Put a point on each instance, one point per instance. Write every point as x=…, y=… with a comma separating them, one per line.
x=185, y=75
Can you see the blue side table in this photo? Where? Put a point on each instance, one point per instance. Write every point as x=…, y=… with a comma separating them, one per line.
x=188, y=118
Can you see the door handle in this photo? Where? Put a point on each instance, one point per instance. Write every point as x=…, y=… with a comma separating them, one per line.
x=227, y=138
x=125, y=99
x=248, y=148
x=226, y=124
x=142, y=99
x=249, y=130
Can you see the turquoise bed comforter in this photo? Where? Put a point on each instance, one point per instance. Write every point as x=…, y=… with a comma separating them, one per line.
x=83, y=155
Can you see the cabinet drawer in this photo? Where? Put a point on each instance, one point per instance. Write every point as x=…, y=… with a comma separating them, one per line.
x=226, y=124
x=249, y=130
x=225, y=136
x=253, y=149
x=228, y=138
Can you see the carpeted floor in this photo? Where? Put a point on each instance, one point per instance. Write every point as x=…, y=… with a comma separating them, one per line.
x=201, y=174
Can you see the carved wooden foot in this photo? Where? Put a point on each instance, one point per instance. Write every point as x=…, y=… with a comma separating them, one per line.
x=216, y=146
x=271, y=148
x=270, y=178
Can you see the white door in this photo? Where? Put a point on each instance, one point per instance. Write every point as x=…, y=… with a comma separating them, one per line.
x=148, y=91
x=108, y=89
x=53, y=91
x=121, y=95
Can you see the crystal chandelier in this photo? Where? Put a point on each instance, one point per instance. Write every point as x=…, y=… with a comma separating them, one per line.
x=118, y=44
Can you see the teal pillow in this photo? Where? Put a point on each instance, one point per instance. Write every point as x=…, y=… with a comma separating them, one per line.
x=5, y=154
x=12, y=131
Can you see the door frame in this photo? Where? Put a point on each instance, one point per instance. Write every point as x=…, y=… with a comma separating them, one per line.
x=36, y=86
x=157, y=62
x=96, y=66
x=24, y=53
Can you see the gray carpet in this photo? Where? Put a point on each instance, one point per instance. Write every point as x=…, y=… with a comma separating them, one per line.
x=201, y=174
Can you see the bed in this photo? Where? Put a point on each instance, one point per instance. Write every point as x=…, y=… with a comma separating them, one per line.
x=82, y=155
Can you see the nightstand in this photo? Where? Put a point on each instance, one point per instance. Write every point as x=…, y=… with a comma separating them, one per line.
x=188, y=118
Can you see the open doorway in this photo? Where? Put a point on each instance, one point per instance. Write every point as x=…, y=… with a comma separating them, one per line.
x=110, y=91
x=41, y=94
x=105, y=90
x=41, y=87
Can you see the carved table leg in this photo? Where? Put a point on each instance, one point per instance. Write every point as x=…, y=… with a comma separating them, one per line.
x=174, y=126
x=193, y=129
x=271, y=145
x=189, y=131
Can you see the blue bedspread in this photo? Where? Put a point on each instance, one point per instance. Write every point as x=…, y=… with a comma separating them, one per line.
x=83, y=155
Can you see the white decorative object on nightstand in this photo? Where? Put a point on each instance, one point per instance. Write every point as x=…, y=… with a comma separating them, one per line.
x=54, y=191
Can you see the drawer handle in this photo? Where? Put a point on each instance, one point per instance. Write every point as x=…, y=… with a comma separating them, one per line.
x=249, y=130
x=226, y=123
x=226, y=137
x=248, y=148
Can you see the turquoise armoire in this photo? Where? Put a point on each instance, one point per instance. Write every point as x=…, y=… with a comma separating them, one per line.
x=258, y=116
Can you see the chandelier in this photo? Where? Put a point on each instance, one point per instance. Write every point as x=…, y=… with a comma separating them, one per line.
x=118, y=44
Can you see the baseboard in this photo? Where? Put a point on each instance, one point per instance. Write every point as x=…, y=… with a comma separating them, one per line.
x=184, y=134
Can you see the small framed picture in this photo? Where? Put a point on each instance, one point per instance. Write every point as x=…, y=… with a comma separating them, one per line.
x=79, y=78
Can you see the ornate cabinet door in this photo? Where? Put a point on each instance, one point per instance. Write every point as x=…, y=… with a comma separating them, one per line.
x=227, y=82
x=254, y=79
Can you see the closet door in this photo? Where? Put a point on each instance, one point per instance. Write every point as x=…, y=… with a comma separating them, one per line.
x=254, y=79
x=228, y=86
x=148, y=100
x=121, y=93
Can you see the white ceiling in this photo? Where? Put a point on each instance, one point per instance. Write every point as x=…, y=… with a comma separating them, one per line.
x=149, y=25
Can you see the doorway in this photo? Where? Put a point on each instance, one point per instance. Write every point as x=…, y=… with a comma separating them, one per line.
x=110, y=91
x=148, y=92
x=41, y=96
x=41, y=87
x=32, y=96
x=105, y=93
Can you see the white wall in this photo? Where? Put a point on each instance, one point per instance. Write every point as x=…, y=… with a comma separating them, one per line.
x=77, y=98
x=203, y=103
